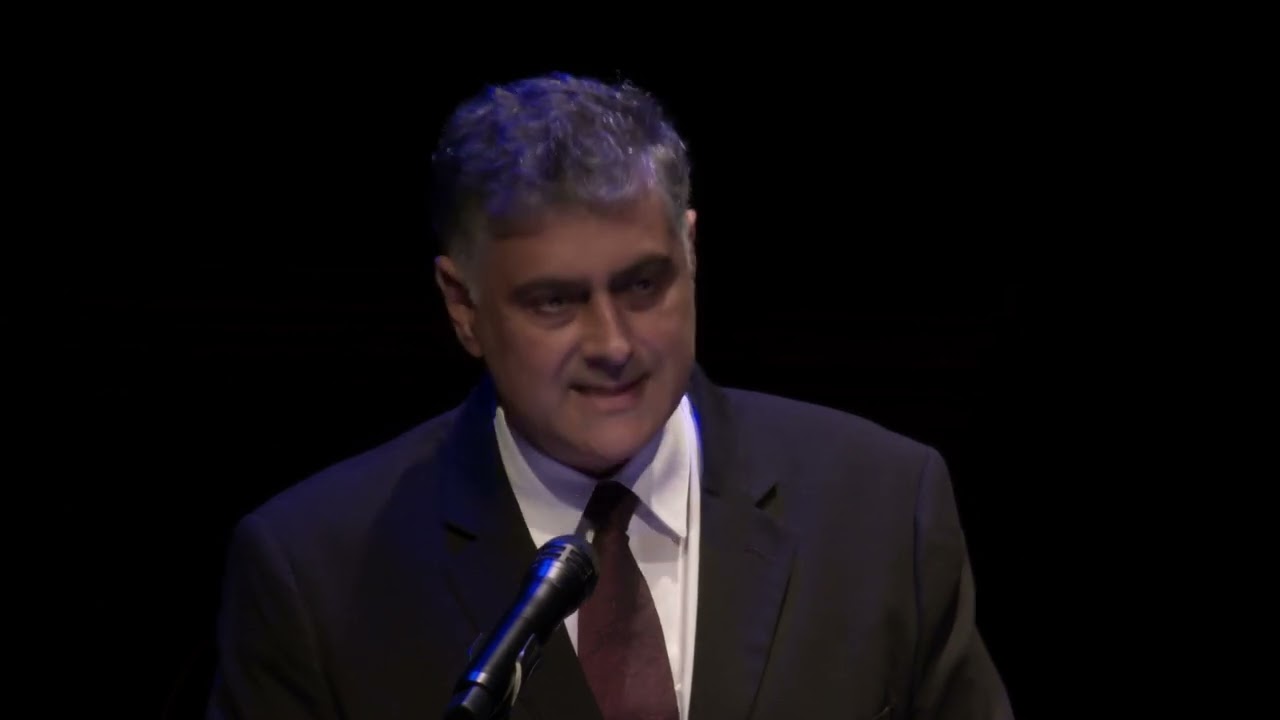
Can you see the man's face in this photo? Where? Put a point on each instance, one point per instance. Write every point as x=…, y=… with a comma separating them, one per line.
x=586, y=323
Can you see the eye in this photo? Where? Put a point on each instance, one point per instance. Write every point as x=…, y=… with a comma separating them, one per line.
x=550, y=304
x=644, y=285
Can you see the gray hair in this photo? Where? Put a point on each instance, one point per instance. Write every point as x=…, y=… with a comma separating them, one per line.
x=515, y=151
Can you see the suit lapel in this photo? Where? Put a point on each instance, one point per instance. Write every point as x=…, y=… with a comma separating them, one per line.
x=744, y=565
x=489, y=553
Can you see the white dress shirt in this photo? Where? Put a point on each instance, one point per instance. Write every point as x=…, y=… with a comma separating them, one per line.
x=665, y=476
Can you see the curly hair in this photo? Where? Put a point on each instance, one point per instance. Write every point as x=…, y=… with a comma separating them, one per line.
x=515, y=151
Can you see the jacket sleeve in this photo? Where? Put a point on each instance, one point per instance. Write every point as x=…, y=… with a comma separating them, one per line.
x=267, y=663
x=954, y=676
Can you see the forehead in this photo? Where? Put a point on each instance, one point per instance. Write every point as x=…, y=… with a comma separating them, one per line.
x=583, y=243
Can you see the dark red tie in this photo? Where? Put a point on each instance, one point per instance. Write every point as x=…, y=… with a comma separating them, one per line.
x=620, y=642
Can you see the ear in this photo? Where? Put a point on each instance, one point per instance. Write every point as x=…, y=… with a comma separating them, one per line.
x=691, y=234
x=458, y=302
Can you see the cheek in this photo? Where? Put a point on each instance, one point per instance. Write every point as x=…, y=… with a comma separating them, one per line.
x=672, y=328
x=531, y=352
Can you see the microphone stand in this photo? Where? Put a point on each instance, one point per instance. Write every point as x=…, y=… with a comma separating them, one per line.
x=477, y=696
x=562, y=575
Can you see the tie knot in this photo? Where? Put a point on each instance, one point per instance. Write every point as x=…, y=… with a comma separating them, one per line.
x=610, y=508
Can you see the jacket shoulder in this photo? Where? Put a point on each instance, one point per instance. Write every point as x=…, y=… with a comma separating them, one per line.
x=827, y=461
x=347, y=495
x=786, y=424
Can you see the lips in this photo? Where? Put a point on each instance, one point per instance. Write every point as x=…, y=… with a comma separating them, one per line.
x=610, y=390
x=609, y=400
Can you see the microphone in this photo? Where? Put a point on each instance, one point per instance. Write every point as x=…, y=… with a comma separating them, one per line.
x=561, y=577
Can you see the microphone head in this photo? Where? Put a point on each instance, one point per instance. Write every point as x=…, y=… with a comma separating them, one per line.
x=569, y=562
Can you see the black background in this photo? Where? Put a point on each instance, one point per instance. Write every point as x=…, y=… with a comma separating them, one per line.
x=238, y=292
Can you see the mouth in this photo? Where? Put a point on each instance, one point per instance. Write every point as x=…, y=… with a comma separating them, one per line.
x=609, y=390
x=613, y=397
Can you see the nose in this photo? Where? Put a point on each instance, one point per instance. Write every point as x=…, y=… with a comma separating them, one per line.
x=606, y=337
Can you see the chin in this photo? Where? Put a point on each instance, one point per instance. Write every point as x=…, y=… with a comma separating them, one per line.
x=608, y=448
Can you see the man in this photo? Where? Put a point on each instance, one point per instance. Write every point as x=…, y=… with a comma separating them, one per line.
x=759, y=557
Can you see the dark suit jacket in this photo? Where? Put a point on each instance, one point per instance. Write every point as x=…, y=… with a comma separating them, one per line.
x=834, y=578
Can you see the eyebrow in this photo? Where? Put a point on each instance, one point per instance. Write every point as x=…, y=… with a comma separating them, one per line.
x=653, y=262
x=661, y=264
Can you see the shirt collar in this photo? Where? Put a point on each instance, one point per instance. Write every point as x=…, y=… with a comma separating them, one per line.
x=658, y=474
